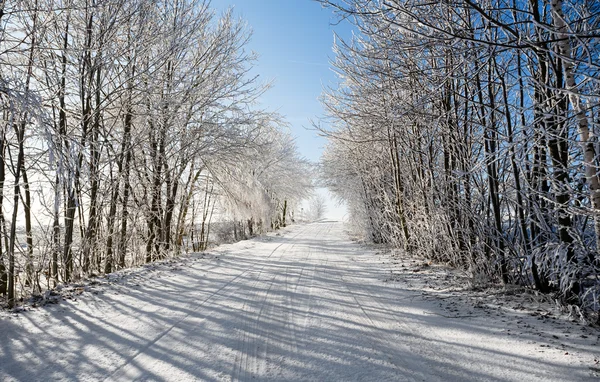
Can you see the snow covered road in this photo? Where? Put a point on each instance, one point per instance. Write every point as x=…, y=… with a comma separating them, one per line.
x=309, y=305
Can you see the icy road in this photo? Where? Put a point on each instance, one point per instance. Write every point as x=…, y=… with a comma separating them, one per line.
x=308, y=305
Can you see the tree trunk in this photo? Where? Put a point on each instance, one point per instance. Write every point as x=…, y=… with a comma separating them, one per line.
x=29, y=267
x=126, y=153
x=3, y=274
x=20, y=130
x=589, y=152
x=283, y=215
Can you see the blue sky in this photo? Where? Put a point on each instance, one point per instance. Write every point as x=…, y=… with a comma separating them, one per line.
x=294, y=40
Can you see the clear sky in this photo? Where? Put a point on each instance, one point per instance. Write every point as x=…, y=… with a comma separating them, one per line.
x=294, y=40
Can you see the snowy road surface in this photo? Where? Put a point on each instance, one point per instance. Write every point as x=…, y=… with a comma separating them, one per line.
x=309, y=305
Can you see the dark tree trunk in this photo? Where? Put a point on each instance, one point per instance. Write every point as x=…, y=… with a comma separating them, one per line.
x=29, y=267
x=3, y=250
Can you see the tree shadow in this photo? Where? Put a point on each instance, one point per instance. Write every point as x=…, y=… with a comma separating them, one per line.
x=309, y=305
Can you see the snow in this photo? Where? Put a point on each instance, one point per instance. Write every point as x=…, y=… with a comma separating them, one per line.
x=305, y=305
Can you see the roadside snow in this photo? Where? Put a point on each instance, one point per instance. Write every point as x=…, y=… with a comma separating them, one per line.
x=303, y=306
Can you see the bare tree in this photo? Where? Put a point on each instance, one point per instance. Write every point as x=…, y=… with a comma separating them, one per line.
x=135, y=122
x=317, y=207
x=463, y=131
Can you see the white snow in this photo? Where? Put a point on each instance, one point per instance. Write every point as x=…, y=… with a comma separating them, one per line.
x=307, y=305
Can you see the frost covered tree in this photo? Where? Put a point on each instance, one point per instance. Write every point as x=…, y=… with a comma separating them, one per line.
x=317, y=207
x=125, y=125
x=466, y=131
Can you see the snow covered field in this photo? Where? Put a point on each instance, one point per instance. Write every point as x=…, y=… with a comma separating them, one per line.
x=306, y=305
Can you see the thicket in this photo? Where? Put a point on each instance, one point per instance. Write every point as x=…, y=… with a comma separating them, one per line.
x=126, y=126
x=467, y=132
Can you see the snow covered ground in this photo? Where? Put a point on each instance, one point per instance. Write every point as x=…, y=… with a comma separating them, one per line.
x=305, y=305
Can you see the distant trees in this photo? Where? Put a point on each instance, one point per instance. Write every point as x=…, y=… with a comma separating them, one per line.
x=467, y=131
x=317, y=207
x=124, y=124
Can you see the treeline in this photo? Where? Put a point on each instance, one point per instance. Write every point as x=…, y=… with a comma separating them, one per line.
x=125, y=126
x=467, y=132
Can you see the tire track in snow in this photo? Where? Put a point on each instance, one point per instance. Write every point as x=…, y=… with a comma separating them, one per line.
x=370, y=303
x=226, y=290
x=247, y=358
x=253, y=358
x=244, y=360
x=370, y=325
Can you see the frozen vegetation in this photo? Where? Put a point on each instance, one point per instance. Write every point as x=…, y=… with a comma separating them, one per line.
x=127, y=129
x=461, y=134
x=466, y=132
